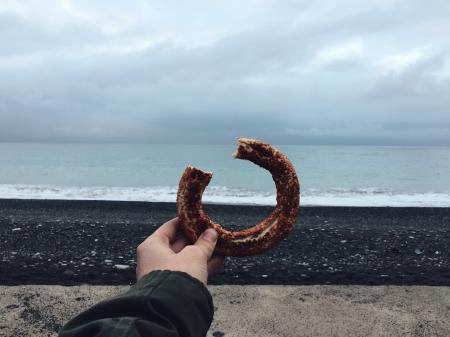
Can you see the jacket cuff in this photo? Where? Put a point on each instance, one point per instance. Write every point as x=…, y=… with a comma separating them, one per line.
x=179, y=292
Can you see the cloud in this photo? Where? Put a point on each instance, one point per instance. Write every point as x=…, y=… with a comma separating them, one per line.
x=398, y=62
x=288, y=72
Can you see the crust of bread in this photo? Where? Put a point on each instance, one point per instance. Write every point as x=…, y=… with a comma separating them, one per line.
x=193, y=220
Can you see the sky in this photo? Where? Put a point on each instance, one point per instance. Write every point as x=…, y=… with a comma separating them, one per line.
x=288, y=72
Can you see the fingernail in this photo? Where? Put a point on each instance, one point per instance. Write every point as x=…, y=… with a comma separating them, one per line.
x=210, y=235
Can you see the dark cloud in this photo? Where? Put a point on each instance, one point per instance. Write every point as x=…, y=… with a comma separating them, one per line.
x=353, y=73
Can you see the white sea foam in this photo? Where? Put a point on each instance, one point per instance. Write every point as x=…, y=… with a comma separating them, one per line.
x=225, y=195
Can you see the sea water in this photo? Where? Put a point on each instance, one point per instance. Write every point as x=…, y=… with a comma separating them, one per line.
x=329, y=175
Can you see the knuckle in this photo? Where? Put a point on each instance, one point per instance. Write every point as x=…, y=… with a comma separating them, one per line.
x=140, y=249
x=190, y=249
x=195, y=251
x=202, y=251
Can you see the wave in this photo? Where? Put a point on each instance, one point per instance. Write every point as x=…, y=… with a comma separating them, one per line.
x=227, y=195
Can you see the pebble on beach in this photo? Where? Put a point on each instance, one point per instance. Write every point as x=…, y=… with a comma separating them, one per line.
x=121, y=266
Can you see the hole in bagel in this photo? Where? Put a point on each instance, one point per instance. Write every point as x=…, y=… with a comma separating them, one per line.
x=235, y=218
x=251, y=196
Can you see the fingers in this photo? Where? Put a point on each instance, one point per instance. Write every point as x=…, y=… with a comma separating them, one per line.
x=207, y=242
x=214, y=263
x=167, y=231
x=179, y=243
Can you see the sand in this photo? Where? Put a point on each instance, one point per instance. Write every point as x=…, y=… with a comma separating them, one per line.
x=255, y=310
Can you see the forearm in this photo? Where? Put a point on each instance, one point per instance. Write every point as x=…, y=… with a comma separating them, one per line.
x=162, y=303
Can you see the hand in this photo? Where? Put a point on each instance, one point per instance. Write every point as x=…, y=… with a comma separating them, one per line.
x=164, y=250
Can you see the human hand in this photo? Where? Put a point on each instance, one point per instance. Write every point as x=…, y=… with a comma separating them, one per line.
x=165, y=250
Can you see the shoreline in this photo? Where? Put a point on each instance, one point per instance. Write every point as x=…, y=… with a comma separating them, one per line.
x=339, y=197
x=329, y=244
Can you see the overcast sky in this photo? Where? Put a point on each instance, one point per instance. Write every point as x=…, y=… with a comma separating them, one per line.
x=297, y=72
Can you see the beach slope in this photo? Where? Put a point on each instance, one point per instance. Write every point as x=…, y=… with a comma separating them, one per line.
x=74, y=242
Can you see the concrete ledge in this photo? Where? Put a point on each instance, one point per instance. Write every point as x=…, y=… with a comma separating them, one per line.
x=255, y=310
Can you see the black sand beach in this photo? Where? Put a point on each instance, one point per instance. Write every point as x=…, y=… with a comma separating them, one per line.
x=75, y=242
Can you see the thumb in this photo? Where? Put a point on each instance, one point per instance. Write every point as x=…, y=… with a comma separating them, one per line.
x=207, y=242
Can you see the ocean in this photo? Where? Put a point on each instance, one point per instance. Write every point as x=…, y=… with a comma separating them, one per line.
x=329, y=175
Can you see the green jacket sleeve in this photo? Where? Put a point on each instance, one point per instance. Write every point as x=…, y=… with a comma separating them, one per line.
x=162, y=303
